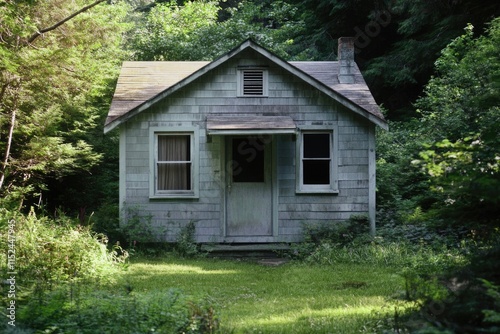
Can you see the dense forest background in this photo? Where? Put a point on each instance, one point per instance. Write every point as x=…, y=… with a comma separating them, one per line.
x=432, y=65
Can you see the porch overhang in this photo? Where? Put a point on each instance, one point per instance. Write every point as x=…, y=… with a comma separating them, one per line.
x=250, y=125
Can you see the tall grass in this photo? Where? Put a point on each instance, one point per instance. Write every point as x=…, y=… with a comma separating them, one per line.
x=51, y=250
x=401, y=247
x=80, y=308
x=396, y=254
x=67, y=280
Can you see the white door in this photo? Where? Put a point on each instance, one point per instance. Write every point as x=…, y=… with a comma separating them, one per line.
x=249, y=186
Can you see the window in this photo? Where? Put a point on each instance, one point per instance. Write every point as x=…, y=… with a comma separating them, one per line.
x=248, y=156
x=316, y=158
x=174, y=166
x=252, y=82
x=317, y=170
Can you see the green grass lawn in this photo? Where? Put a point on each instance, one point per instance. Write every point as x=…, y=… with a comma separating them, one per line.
x=291, y=298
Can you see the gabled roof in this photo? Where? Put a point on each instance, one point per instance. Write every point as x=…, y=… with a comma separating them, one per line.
x=143, y=83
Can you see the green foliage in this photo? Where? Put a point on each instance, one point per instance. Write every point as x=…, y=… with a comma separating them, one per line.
x=185, y=242
x=463, y=297
x=397, y=41
x=106, y=221
x=273, y=24
x=396, y=254
x=137, y=229
x=52, y=88
x=460, y=117
x=340, y=233
x=401, y=186
x=172, y=32
x=326, y=234
x=492, y=316
x=55, y=250
x=421, y=30
x=65, y=282
x=194, y=32
x=86, y=308
x=441, y=290
x=441, y=169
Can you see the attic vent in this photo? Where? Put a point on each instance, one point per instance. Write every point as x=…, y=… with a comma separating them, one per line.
x=253, y=82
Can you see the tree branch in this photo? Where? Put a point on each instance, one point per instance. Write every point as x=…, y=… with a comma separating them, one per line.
x=60, y=23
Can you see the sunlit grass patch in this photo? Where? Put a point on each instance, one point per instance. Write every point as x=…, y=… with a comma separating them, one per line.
x=291, y=298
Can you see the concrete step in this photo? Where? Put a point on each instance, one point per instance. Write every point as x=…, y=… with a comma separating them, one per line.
x=245, y=250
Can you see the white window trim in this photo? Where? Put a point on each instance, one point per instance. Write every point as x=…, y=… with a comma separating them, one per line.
x=265, y=80
x=331, y=188
x=154, y=132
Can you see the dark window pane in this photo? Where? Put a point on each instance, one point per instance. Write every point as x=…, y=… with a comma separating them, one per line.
x=316, y=171
x=248, y=160
x=316, y=145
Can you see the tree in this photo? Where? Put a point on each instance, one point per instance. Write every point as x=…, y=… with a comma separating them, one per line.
x=172, y=32
x=460, y=120
x=411, y=43
x=397, y=41
x=56, y=59
x=195, y=31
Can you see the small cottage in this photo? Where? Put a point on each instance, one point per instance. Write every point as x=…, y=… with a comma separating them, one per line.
x=248, y=146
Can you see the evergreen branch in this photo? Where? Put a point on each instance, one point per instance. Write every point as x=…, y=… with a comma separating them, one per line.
x=60, y=23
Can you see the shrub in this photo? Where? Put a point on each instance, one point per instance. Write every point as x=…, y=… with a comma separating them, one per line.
x=185, y=243
x=333, y=234
x=460, y=298
x=55, y=250
x=137, y=228
x=87, y=308
x=64, y=277
x=410, y=248
x=340, y=233
x=106, y=221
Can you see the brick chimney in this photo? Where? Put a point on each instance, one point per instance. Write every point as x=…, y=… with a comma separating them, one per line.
x=346, y=60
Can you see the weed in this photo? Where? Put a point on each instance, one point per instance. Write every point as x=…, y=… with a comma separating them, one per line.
x=203, y=318
x=58, y=250
x=185, y=243
x=330, y=233
x=83, y=307
x=136, y=227
x=340, y=233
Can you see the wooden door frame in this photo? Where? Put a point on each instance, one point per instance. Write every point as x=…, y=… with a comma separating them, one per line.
x=274, y=194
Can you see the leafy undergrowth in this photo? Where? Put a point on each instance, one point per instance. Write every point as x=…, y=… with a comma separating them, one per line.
x=291, y=298
x=86, y=307
x=62, y=278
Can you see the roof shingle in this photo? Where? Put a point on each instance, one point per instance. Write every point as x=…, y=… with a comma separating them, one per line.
x=142, y=81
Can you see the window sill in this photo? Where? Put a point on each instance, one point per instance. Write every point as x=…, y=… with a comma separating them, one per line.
x=189, y=195
x=317, y=191
x=252, y=96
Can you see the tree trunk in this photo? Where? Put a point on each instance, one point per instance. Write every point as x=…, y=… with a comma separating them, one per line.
x=5, y=161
